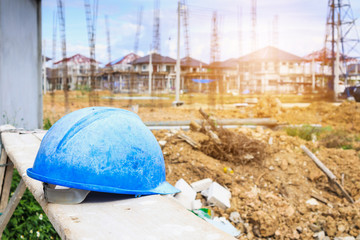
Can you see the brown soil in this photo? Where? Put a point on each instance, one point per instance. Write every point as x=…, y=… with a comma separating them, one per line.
x=270, y=194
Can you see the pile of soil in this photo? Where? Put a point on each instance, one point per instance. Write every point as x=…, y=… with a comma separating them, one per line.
x=346, y=116
x=275, y=197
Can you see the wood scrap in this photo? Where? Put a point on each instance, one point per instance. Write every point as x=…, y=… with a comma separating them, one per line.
x=228, y=145
x=320, y=198
x=329, y=174
x=189, y=140
x=210, y=120
x=194, y=126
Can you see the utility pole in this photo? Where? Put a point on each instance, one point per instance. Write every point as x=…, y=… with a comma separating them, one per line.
x=177, y=80
x=337, y=61
x=253, y=18
x=313, y=73
x=150, y=70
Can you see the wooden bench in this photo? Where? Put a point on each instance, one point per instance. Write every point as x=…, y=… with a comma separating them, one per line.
x=100, y=216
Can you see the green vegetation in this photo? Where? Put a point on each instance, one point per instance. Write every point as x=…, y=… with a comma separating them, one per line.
x=338, y=139
x=328, y=137
x=307, y=132
x=83, y=89
x=47, y=124
x=28, y=221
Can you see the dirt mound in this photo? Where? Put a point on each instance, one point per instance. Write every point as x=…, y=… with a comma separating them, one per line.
x=235, y=147
x=345, y=116
x=280, y=197
x=267, y=106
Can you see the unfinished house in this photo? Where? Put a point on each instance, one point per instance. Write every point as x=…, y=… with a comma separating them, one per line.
x=192, y=70
x=191, y=65
x=228, y=74
x=118, y=72
x=78, y=72
x=353, y=73
x=318, y=66
x=155, y=70
x=123, y=64
x=272, y=70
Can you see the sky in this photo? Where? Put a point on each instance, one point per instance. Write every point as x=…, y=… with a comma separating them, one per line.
x=301, y=27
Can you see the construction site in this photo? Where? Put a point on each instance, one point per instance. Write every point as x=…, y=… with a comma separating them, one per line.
x=261, y=143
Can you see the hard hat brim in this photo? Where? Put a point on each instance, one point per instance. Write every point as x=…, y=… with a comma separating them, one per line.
x=163, y=188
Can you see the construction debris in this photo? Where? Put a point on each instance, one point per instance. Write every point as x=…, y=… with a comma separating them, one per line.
x=201, y=185
x=235, y=217
x=272, y=203
x=187, y=194
x=329, y=174
x=219, y=196
x=229, y=146
x=223, y=224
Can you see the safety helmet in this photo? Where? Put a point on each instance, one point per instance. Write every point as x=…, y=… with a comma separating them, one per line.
x=101, y=149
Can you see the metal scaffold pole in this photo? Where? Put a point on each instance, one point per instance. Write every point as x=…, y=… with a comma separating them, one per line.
x=177, y=80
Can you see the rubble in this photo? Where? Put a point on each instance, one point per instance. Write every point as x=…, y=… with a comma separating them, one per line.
x=280, y=194
x=219, y=196
x=201, y=185
x=224, y=225
x=187, y=194
x=235, y=217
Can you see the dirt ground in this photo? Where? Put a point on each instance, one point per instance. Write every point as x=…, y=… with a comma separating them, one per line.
x=275, y=196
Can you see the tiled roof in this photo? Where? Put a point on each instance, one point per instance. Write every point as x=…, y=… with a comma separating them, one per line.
x=268, y=54
x=156, y=58
x=319, y=55
x=124, y=60
x=191, y=62
x=77, y=58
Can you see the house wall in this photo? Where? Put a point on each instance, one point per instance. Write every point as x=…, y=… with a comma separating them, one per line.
x=159, y=67
x=20, y=63
x=78, y=73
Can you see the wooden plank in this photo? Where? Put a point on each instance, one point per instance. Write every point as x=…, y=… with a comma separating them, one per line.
x=6, y=185
x=244, y=121
x=328, y=173
x=110, y=216
x=2, y=167
x=318, y=163
x=10, y=208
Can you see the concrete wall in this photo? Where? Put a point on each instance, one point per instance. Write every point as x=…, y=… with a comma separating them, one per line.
x=20, y=63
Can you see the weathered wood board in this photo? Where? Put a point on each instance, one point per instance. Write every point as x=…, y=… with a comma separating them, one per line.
x=108, y=216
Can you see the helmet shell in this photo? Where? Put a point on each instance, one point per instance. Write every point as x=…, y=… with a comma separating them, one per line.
x=102, y=149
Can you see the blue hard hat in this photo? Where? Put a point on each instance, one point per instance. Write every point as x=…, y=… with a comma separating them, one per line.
x=102, y=149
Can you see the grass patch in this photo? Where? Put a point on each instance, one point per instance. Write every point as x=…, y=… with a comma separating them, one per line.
x=337, y=139
x=47, y=124
x=328, y=137
x=307, y=132
x=29, y=220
